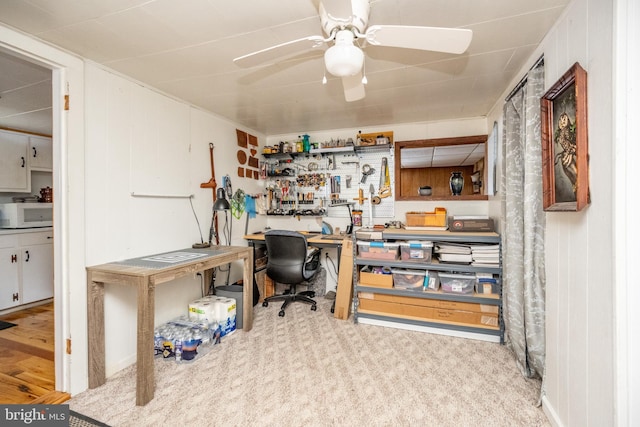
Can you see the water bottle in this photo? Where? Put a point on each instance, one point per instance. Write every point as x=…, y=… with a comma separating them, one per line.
x=178, y=351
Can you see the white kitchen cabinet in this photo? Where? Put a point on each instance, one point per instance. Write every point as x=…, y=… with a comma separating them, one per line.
x=9, y=280
x=40, y=153
x=26, y=267
x=15, y=175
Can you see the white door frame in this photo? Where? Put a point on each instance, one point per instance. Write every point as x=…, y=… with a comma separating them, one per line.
x=67, y=70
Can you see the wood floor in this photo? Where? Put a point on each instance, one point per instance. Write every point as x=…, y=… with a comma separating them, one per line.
x=27, y=371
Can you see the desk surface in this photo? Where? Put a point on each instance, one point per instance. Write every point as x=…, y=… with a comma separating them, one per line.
x=312, y=238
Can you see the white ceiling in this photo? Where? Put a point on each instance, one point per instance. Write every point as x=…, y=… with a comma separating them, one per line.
x=185, y=48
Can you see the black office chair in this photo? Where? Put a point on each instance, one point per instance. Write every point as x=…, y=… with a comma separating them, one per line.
x=291, y=262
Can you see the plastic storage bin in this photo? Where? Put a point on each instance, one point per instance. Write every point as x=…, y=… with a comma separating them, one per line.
x=419, y=251
x=408, y=279
x=432, y=281
x=457, y=283
x=378, y=250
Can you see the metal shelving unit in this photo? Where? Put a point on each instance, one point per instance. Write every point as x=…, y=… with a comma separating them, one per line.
x=481, y=332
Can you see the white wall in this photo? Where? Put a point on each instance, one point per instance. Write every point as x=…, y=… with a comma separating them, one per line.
x=407, y=132
x=401, y=132
x=580, y=278
x=142, y=142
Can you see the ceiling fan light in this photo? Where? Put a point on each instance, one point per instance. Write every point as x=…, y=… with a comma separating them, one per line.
x=344, y=59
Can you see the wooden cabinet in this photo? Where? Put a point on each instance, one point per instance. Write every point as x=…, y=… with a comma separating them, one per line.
x=14, y=166
x=26, y=267
x=40, y=153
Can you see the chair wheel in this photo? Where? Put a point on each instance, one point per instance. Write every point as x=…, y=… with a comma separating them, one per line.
x=333, y=310
x=312, y=294
x=314, y=307
x=265, y=303
x=281, y=313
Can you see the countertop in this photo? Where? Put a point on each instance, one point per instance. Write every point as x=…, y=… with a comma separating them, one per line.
x=23, y=230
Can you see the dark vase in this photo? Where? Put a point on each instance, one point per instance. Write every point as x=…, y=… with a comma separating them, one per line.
x=456, y=182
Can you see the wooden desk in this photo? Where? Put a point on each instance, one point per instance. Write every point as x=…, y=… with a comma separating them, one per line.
x=145, y=280
x=314, y=239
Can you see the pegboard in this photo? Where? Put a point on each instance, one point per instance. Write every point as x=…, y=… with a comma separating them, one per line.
x=345, y=168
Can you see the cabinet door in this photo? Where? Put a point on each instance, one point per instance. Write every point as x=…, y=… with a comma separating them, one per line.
x=40, y=153
x=14, y=176
x=9, y=285
x=37, y=272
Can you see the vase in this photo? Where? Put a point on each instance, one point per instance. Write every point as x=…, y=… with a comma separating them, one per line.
x=456, y=182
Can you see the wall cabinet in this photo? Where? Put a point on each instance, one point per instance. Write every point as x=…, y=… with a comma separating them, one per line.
x=469, y=314
x=20, y=153
x=26, y=267
x=14, y=167
x=40, y=153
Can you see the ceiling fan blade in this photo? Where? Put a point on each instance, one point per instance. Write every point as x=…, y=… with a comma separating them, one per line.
x=437, y=39
x=273, y=53
x=353, y=87
x=337, y=9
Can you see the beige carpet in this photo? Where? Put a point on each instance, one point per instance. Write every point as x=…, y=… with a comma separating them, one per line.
x=310, y=369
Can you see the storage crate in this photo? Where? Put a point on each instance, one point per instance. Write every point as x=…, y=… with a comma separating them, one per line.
x=377, y=250
x=408, y=279
x=457, y=283
x=419, y=251
x=376, y=277
x=437, y=218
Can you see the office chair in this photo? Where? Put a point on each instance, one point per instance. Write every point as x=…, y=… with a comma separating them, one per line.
x=291, y=262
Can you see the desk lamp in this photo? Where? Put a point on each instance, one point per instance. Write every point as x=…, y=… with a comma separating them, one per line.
x=222, y=205
x=348, y=205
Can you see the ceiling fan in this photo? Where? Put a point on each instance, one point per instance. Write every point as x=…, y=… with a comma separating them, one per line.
x=345, y=23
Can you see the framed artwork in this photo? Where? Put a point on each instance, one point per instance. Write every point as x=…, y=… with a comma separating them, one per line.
x=565, y=148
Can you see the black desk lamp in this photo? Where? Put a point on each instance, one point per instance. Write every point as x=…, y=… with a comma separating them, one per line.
x=221, y=204
x=348, y=205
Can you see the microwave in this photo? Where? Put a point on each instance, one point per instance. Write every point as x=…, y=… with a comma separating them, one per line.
x=26, y=215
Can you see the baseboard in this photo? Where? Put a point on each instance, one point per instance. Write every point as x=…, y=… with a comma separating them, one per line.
x=550, y=412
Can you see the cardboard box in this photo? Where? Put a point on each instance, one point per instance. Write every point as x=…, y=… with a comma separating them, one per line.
x=434, y=303
x=344, y=292
x=378, y=280
x=419, y=312
x=437, y=218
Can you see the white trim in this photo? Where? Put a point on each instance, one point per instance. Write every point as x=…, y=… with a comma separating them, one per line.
x=551, y=414
x=626, y=229
x=64, y=134
x=438, y=331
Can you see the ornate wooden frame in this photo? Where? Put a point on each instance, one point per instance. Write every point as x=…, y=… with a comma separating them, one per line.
x=565, y=149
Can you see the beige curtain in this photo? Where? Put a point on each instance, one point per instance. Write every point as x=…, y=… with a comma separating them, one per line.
x=523, y=226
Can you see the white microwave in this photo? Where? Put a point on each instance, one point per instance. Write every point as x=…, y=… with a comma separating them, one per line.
x=26, y=215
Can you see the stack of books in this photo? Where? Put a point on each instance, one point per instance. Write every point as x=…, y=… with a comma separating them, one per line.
x=485, y=255
x=453, y=253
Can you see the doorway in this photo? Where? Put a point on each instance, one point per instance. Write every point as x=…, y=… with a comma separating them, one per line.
x=26, y=110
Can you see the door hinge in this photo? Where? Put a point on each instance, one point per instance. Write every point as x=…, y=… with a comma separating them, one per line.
x=16, y=296
x=68, y=345
x=66, y=103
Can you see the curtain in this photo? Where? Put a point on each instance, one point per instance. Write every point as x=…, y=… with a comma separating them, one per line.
x=523, y=226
